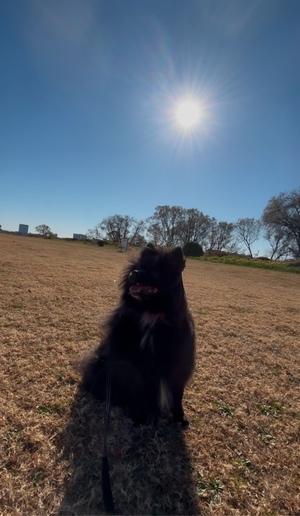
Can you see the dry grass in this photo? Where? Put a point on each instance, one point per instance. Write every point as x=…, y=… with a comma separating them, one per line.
x=240, y=454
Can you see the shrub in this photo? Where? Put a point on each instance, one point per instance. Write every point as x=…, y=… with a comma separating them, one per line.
x=192, y=249
x=100, y=243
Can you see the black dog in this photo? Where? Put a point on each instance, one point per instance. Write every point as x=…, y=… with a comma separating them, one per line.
x=149, y=347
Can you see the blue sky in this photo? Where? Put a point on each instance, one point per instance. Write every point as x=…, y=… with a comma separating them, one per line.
x=88, y=90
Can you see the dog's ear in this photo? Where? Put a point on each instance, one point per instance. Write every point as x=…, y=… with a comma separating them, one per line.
x=178, y=257
x=151, y=246
x=149, y=250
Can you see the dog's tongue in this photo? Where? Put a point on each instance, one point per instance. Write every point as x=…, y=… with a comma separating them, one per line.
x=142, y=289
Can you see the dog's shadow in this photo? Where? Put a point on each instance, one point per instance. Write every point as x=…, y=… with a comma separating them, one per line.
x=150, y=467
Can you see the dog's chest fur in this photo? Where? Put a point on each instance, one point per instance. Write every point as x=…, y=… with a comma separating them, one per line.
x=149, y=326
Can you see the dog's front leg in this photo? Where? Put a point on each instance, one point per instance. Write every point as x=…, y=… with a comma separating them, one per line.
x=129, y=389
x=177, y=410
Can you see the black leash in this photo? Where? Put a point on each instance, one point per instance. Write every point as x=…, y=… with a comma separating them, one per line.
x=106, y=487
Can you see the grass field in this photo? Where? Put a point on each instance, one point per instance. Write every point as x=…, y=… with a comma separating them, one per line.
x=240, y=455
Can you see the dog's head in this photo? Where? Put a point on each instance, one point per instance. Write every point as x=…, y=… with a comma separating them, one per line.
x=154, y=279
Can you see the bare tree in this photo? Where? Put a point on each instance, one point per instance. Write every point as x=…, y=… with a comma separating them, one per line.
x=282, y=217
x=174, y=225
x=220, y=236
x=44, y=230
x=193, y=226
x=117, y=227
x=154, y=232
x=278, y=243
x=163, y=225
x=247, y=231
x=95, y=233
x=137, y=231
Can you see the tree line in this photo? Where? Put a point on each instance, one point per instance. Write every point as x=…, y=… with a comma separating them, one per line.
x=175, y=225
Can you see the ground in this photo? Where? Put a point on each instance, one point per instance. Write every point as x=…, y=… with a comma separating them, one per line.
x=240, y=455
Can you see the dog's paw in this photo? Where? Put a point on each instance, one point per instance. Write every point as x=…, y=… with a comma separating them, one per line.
x=182, y=419
x=185, y=422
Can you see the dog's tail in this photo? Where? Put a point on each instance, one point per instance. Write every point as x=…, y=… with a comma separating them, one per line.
x=106, y=487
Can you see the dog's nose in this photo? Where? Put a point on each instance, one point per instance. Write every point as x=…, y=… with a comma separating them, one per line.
x=134, y=276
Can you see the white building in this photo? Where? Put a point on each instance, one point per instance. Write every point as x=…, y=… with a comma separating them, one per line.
x=23, y=229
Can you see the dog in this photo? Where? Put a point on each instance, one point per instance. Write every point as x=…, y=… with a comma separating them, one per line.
x=148, y=351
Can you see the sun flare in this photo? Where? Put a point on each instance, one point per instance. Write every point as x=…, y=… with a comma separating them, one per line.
x=188, y=114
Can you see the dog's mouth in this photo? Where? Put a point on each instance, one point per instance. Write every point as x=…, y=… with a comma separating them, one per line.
x=139, y=290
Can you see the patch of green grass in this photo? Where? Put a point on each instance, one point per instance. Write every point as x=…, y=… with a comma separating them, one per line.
x=225, y=410
x=266, y=438
x=49, y=409
x=244, y=464
x=252, y=262
x=10, y=436
x=16, y=304
x=38, y=475
x=85, y=334
x=60, y=375
x=210, y=489
x=273, y=409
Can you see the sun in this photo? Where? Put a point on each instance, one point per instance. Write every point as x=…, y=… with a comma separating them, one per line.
x=188, y=114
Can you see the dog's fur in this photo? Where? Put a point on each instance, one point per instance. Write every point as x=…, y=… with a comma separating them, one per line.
x=149, y=346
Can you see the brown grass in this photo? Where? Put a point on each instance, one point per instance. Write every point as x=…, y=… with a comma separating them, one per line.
x=240, y=454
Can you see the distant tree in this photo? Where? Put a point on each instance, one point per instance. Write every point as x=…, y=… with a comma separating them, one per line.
x=139, y=240
x=95, y=234
x=247, y=231
x=281, y=217
x=154, y=232
x=278, y=242
x=193, y=226
x=117, y=227
x=44, y=230
x=163, y=225
x=137, y=230
x=221, y=236
x=175, y=225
